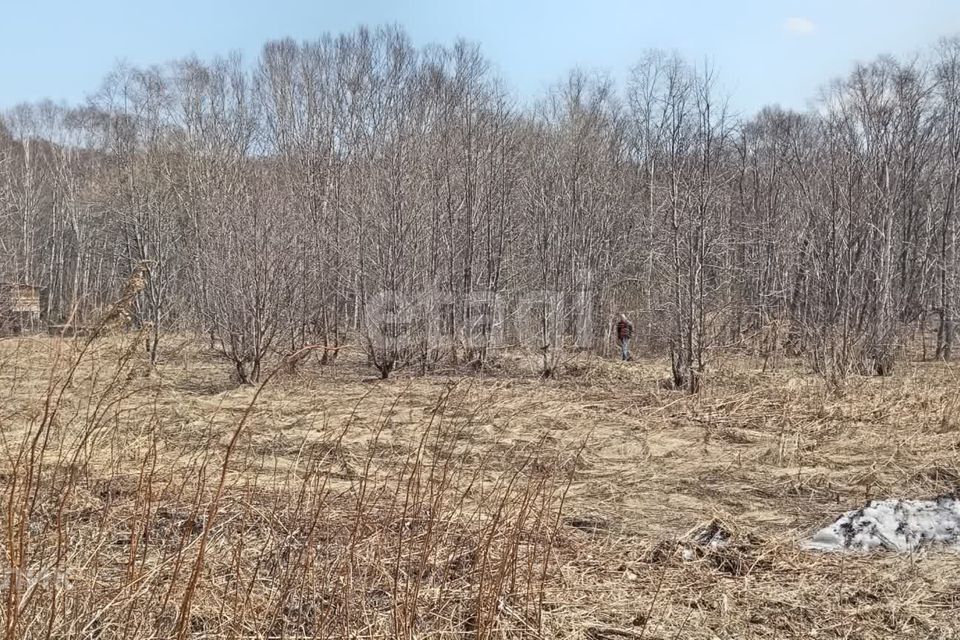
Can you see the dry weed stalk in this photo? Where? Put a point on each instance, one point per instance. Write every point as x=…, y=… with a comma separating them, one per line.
x=219, y=540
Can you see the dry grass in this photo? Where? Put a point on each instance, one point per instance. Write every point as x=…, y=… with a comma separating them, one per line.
x=324, y=505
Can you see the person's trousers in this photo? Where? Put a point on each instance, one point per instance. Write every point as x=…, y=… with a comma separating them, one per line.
x=624, y=348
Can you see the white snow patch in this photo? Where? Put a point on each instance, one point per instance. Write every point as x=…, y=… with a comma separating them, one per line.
x=702, y=540
x=893, y=525
x=714, y=536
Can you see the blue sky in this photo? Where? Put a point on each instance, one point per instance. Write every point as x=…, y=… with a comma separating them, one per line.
x=766, y=51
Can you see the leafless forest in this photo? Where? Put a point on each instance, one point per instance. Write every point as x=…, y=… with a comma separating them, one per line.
x=271, y=201
x=226, y=251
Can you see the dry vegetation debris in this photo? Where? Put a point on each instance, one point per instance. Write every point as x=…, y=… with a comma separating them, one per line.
x=594, y=505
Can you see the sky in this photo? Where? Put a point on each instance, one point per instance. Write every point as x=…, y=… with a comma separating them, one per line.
x=765, y=51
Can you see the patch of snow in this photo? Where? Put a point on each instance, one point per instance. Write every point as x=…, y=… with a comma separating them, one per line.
x=893, y=525
x=704, y=540
x=713, y=535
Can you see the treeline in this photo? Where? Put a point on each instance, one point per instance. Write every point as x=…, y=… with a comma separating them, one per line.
x=360, y=186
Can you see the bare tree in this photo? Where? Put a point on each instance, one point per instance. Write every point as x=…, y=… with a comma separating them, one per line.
x=359, y=185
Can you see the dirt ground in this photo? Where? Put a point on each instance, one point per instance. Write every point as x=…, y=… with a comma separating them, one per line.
x=461, y=504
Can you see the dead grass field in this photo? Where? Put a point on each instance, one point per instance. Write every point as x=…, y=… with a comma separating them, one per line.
x=177, y=504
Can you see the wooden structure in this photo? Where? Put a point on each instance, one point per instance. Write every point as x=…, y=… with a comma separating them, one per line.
x=21, y=307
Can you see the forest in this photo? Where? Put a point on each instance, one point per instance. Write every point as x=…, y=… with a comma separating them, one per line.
x=360, y=188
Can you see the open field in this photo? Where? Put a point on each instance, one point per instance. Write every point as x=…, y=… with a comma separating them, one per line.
x=171, y=502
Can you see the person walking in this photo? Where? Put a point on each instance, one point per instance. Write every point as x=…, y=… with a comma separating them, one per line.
x=624, y=331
